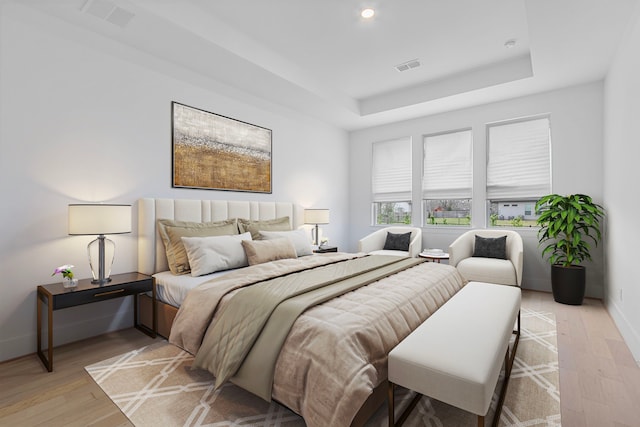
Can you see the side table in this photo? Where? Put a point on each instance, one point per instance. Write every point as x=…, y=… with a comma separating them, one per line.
x=434, y=257
x=325, y=249
x=57, y=297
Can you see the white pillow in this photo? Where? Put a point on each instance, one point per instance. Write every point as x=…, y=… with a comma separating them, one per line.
x=300, y=239
x=214, y=253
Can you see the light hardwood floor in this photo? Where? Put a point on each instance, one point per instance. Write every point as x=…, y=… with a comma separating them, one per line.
x=599, y=380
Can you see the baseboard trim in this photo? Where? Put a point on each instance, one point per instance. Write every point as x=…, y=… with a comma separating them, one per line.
x=63, y=333
x=630, y=335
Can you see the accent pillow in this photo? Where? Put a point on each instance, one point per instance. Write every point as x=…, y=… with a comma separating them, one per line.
x=255, y=227
x=171, y=233
x=215, y=253
x=300, y=239
x=397, y=242
x=261, y=251
x=490, y=247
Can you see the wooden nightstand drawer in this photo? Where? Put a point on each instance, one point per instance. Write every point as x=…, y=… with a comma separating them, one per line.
x=100, y=293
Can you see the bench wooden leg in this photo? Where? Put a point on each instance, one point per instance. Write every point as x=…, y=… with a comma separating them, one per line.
x=391, y=405
x=508, y=361
x=405, y=414
x=515, y=346
x=480, y=421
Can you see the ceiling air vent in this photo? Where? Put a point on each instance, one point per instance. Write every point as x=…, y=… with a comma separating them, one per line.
x=109, y=11
x=414, y=63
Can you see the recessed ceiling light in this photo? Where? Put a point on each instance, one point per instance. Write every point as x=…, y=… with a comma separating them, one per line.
x=367, y=13
x=510, y=43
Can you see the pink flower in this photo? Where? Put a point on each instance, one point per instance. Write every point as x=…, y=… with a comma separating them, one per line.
x=65, y=270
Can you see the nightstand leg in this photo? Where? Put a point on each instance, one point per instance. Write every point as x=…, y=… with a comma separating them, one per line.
x=50, y=331
x=47, y=361
x=154, y=310
x=39, y=326
x=135, y=310
x=139, y=326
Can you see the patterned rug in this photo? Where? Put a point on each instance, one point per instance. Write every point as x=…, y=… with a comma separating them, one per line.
x=155, y=386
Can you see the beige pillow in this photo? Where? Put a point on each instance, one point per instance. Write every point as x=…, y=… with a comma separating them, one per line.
x=261, y=251
x=215, y=253
x=299, y=238
x=254, y=227
x=172, y=233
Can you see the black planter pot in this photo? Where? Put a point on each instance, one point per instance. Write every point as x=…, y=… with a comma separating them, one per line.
x=568, y=284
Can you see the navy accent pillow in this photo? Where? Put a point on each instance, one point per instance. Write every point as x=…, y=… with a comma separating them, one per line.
x=488, y=247
x=397, y=242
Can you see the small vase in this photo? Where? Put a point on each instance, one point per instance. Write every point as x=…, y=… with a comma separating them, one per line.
x=69, y=283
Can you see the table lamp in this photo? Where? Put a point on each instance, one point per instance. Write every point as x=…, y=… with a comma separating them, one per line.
x=316, y=216
x=99, y=219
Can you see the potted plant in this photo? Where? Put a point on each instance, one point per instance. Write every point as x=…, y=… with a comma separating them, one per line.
x=567, y=224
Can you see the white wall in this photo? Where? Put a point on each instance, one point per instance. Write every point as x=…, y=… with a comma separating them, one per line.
x=621, y=176
x=84, y=119
x=576, y=127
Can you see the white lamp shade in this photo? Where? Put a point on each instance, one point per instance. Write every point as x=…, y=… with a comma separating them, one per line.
x=316, y=216
x=92, y=219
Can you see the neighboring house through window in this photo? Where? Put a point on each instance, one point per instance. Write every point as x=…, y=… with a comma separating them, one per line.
x=391, y=182
x=518, y=170
x=447, y=178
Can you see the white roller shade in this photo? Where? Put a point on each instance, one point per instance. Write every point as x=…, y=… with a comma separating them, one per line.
x=519, y=160
x=447, y=168
x=391, y=170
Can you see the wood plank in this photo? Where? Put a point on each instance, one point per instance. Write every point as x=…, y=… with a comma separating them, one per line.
x=67, y=396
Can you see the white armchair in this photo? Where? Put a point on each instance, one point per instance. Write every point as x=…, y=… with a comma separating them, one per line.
x=374, y=242
x=502, y=271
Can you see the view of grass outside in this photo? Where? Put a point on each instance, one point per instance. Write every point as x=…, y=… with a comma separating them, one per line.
x=457, y=212
x=392, y=213
x=447, y=212
x=519, y=213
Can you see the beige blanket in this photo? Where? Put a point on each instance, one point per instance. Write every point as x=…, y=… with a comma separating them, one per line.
x=246, y=339
x=197, y=310
x=335, y=353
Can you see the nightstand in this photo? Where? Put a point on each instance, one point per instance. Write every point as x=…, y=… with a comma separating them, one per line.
x=325, y=249
x=57, y=297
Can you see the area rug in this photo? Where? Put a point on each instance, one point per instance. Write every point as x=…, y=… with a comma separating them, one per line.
x=155, y=386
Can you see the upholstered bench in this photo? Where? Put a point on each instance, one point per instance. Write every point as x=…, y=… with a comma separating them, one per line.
x=456, y=355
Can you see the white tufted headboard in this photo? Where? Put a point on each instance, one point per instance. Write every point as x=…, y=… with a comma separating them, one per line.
x=151, y=252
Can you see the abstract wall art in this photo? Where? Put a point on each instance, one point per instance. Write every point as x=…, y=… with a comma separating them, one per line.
x=215, y=152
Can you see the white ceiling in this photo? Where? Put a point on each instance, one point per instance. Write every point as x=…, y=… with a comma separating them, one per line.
x=321, y=58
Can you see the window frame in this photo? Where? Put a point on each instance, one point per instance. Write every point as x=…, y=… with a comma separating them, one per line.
x=423, y=201
x=377, y=201
x=511, y=200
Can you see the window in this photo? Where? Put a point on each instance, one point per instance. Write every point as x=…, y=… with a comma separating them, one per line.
x=518, y=170
x=391, y=182
x=447, y=176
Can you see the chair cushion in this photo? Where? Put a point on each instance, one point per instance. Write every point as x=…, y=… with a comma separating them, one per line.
x=385, y=252
x=490, y=247
x=490, y=270
x=397, y=242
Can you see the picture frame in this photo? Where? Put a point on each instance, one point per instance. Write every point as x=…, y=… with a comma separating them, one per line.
x=215, y=152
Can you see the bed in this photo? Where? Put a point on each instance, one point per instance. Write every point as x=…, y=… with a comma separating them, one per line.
x=331, y=368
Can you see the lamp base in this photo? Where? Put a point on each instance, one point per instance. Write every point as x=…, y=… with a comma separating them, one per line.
x=316, y=236
x=101, y=252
